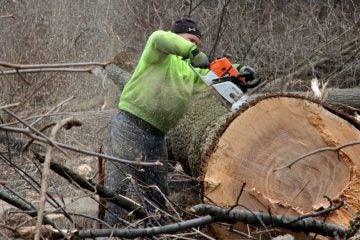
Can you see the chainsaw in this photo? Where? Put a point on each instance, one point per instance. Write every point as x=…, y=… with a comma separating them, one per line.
x=228, y=83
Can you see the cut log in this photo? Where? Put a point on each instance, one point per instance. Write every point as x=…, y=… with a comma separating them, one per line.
x=253, y=145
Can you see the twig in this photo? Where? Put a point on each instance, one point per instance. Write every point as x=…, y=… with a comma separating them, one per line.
x=23, y=78
x=318, y=151
x=52, y=109
x=46, y=172
x=38, y=70
x=28, y=144
x=192, y=9
x=8, y=16
x=7, y=145
x=101, y=177
x=60, y=67
x=237, y=198
x=83, y=216
x=237, y=204
x=57, y=65
x=47, y=126
x=10, y=105
x=36, y=89
x=40, y=139
x=220, y=27
x=34, y=130
x=319, y=213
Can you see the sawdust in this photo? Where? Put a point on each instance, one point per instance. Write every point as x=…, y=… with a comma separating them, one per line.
x=352, y=191
x=316, y=121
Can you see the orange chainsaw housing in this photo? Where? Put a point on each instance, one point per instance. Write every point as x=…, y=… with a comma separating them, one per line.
x=223, y=67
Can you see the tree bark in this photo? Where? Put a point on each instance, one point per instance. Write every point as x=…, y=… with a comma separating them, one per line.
x=227, y=150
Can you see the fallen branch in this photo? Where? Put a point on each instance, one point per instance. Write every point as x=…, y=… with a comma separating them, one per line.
x=60, y=67
x=56, y=65
x=143, y=232
x=26, y=207
x=303, y=225
x=38, y=70
x=102, y=191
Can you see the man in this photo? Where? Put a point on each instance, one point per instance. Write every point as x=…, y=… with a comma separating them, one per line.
x=152, y=102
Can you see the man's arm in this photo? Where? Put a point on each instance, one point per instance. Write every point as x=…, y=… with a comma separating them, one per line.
x=171, y=43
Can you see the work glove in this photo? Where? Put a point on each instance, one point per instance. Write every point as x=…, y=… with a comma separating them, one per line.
x=247, y=69
x=199, y=59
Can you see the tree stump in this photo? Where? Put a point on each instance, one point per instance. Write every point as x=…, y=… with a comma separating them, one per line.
x=254, y=145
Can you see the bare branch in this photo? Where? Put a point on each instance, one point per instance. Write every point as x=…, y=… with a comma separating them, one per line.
x=57, y=65
x=10, y=105
x=34, y=130
x=38, y=70
x=318, y=151
x=8, y=16
x=303, y=225
x=46, y=172
x=220, y=29
x=133, y=233
x=53, y=109
x=69, y=147
x=319, y=213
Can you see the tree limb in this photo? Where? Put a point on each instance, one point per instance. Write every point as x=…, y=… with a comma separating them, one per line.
x=20, y=204
x=133, y=233
x=217, y=214
x=102, y=191
x=303, y=225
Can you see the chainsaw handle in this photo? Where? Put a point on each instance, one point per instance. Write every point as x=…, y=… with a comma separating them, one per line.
x=244, y=74
x=236, y=81
x=251, y=84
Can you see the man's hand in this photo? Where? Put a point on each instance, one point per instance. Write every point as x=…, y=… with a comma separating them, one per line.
x=199, y=59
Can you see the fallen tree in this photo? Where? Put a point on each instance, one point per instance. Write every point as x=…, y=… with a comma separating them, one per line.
x=256, y=146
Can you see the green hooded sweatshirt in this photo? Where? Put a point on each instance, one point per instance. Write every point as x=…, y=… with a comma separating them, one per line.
x=162, y=84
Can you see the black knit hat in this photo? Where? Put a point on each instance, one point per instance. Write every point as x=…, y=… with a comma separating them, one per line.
x=186, y=25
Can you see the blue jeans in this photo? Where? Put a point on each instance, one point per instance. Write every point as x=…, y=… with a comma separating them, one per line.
x=132, y=138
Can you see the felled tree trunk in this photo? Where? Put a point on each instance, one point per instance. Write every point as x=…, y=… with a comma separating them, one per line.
x=255, y=145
